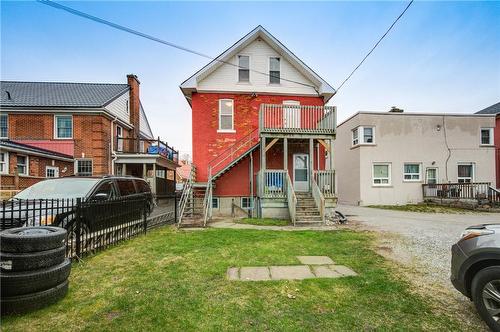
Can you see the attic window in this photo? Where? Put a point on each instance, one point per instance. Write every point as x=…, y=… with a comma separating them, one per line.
x=274, y=70
x=243, y=68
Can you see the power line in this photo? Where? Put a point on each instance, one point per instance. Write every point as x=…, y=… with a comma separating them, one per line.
x=375, y=46
x=155, y=39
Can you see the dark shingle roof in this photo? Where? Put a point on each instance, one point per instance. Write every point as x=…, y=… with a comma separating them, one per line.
x=493, y=109
x=29, y=148
x=58, y=94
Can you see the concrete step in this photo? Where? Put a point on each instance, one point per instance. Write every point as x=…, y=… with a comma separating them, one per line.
x=308, y=214
x=308, y=218
x=309, y=223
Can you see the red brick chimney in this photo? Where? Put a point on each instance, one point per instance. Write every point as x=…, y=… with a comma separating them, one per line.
x=134, y=104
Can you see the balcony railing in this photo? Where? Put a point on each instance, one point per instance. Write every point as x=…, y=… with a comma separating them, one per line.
x=457, y=191
x=300, y=119
x=128, y=145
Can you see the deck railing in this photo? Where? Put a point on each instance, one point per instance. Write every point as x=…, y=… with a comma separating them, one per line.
x=291, y=198
x=326, y=182
x=129, y=145
x=457, y=191
x=319, y=199
x=272, y=183
x=494, y=196
x=278, y=118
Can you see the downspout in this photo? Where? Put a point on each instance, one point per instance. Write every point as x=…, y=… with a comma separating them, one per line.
x=448, y=148
x=113, y=154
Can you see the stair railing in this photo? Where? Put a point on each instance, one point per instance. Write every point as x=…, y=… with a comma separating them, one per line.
x=207, y=201
x=291, y=198
x=494, y=196
x=319, y=199
x=186, y=192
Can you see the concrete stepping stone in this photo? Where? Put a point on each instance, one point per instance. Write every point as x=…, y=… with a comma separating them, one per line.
x=322, y=271
x=254, y=273
x=233, y=273
x=344, y=270
x=294, y=272
x=315, y=260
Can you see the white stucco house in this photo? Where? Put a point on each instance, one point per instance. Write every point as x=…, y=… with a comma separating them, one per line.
x=386, y=157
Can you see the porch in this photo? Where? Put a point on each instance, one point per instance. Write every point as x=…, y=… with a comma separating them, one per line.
x=471, y=194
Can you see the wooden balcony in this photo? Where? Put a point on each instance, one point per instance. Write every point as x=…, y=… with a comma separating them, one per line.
x=297, y=119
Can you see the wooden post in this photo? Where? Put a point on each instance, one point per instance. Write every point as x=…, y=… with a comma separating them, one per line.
x=330, y=154
x=263, y=154
x=285, y=153
x=144, y=170
x=311, y=161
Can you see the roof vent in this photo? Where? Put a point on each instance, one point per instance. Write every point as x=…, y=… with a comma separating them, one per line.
x=395, y=109
x=8, y=95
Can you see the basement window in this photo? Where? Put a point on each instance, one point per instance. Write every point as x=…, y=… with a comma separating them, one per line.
x=215, y=202
x=246, y=203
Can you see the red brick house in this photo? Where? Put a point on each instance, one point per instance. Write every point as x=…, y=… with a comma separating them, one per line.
x=261, y=133
x=51, y=129
x=493, y=135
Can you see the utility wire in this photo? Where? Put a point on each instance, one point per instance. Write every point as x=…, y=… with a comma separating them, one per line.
x=374, y=47
x=155, y=39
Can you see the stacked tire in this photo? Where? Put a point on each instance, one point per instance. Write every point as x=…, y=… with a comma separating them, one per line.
x=34, y=269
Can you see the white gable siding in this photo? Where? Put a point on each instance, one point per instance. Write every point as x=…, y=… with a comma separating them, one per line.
x=143, y=125
x=225, y=78
x=118, y=107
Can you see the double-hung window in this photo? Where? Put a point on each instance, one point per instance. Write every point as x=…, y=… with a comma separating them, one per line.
x=22, y=165
x=4, y=163
x=63, y=126
x=51, y=172
x=243, y=68
x=465, y=173
x=363, y=135
x=486, y=136
x=226, y=115
x=4, y=127
x=381, y=174
x=274, y=70
x=84, y=167
x=411, y=172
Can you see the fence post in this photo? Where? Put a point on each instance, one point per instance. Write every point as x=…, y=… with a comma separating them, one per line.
x=78, y=226
x=145, y=215
x=175, y=206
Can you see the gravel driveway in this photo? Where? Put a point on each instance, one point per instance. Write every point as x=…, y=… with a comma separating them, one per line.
x=420, y=240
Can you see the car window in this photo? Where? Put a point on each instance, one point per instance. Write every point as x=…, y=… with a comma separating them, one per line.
x=126, y=187
x=142, y=186
x=69, y=188
x=106, y=188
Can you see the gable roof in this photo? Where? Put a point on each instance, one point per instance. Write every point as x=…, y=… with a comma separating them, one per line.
x=59, y=94
x=493, y=109
x=323, y=88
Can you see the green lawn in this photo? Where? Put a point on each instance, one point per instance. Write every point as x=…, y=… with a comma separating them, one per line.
x=424, y=208
x=263, y=221
x=172, y=280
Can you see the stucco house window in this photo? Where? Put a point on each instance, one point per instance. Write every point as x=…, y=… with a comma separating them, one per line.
x=63, y=126
x=486, y=136
x=226, y=115
x=465, y=173
x=355, y=139
x=274, y=70
x=4, y=127
x=22, y=165
x=4, y=163
x=243, y=68
x=363, y=135
x=411, y=172
x=84, y=167
x=382, y=174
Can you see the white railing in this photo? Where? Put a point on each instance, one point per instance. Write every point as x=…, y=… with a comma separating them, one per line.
x=186, y=192
x=319, y=199
x=278, y=118
x=494, y=196
x=272, y=183
x=326, y=182
x=207, y=200
x=291, y=198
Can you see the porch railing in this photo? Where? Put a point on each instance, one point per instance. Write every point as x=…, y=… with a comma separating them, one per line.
x=291, y=198
x=494, y=196
x=130, y=145
x=319, y=199
x=457, y=191
x=278, y=118
x=326, y=182
x=272, y=183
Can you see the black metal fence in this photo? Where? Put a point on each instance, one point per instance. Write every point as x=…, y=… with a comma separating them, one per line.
x=92, y=225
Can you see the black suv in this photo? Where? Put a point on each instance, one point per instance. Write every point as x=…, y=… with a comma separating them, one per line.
x=53, y=201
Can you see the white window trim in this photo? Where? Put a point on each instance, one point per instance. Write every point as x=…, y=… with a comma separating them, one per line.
x=27, y=165
x=437, y=174
x=389, y=180
x=492, y=137
x=238, y=67
x=6, y=161
x=419, y=172
x=53, y=168
x=250, y=200
x=55, y=126
x=76, y=166
x=361, y=136
x=232, y=115
x=473, y=178
x=269, y=70
x=218, y=203
x=7, y=115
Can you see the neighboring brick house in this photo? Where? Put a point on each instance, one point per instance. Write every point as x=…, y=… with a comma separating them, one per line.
x=101, y=127
x=494, y=110
x=258, y=114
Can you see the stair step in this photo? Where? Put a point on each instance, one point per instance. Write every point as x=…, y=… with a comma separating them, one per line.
x=308, y=223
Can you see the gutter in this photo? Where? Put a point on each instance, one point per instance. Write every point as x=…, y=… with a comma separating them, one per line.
x=113, y=153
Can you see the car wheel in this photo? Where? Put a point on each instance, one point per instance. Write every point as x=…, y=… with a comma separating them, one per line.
x=31, y=239
x=12, y=262
x=486, y=296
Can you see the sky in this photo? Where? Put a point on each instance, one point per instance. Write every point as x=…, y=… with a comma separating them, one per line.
x=440, y=57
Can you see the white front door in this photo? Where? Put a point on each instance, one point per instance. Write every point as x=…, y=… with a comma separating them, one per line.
x=301, y=172
x=291, y=115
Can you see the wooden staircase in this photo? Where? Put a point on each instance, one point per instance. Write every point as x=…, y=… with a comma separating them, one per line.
x=307, y=213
